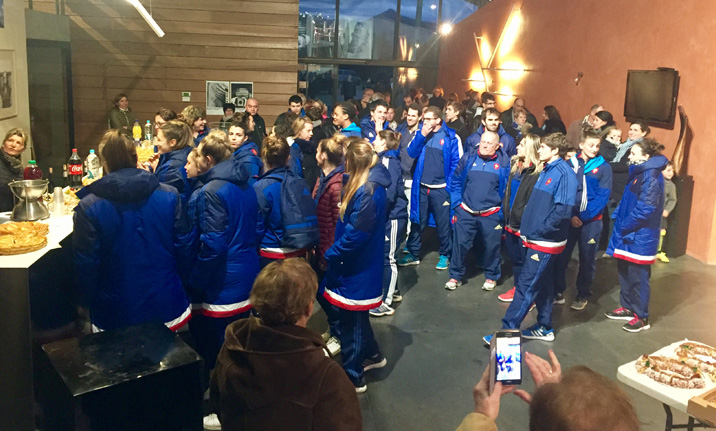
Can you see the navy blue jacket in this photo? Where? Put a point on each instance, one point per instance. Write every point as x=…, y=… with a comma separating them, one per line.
x=223, y=212
x=295, y=162
x=445, y=140
x=130, y=240
x=352, y=130
x=637, y=219
x=171, y=171
x=354, y=279
x=547, y=215
x=397, y=202
x=248, y=156
x=507, y=142
x=201, y=136
x=479, y=184
x=598, y=179
x=367, y=128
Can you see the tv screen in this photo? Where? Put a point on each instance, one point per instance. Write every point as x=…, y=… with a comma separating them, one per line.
x=651, y=95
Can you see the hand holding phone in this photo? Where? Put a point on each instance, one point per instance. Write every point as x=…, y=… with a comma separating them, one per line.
x=506, y=358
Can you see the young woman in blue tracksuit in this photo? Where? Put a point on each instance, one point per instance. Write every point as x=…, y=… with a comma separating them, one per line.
x=635, y=238
x=544, y=233
x=302, y=128
x=353, y=280
x=223, y=212
x=586, y=225
x=246, y=152
x=524, y=172
x=130, y=241
x=386, y=144
x=476, y=193
x=173, y=143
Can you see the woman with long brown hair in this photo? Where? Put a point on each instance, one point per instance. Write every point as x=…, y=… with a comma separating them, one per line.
x=354, y=279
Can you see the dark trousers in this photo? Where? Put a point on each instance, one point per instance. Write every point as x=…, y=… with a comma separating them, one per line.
x=635, y=289
x=516, y=253
x=535, y=285
x=331, y=314
x=208, y=336
x=587, y=237
x=394, y=233
x=486, y=232
x=437, y=203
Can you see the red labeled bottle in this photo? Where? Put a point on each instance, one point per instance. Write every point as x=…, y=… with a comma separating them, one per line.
x=74, y=167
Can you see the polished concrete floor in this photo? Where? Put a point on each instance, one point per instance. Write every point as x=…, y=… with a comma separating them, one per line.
x=435, y=352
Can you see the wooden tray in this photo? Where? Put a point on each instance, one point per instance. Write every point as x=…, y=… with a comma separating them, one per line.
x=703, y=407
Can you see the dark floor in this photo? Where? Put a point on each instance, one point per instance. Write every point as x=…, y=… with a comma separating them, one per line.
x=435, y=352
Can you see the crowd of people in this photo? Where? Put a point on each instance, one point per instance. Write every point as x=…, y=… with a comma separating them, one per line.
x=226, y=221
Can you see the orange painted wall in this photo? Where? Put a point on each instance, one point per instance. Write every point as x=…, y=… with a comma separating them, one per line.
x=556, y=39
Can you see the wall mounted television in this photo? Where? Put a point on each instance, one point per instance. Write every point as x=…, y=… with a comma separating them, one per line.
x=651, y=95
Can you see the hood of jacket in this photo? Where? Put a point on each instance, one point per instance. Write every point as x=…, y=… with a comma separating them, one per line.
x=123, y=186
x=379, y=175
x=657, y=162
x=307, y=147
x=231, y=170
x=260, y=350
x=352, y=128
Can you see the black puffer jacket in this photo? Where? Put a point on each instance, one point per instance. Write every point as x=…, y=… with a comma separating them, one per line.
x=9, y=171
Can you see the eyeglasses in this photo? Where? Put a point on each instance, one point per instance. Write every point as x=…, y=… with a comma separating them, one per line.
x=429, y=119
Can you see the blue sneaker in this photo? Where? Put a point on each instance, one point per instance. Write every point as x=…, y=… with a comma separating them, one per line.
x=538, y=332
x=442, y=263
x=487, y=339
x=409, y=260
x=405, y=250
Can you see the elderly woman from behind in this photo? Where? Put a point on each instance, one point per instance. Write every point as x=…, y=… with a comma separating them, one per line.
x=10, y=165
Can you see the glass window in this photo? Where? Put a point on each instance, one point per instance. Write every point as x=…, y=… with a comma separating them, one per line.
x=316, y=22
x=455, y=11
x=366, y=29
x=319, y=82
x=417, y=39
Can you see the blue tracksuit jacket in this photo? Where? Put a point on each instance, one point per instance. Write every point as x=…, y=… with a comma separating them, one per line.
x=352, y=130
x=269, y=227
x=248, y=156
x=397, y=202
x=295, y=162
x=170, y=171
x=598, y=179
x=507, y=147
x=479, y=184
x=637, y=219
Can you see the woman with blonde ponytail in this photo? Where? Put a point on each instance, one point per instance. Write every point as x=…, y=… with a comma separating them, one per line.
x=354, y=278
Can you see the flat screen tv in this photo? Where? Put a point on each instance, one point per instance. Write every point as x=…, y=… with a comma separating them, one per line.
x=651, y=95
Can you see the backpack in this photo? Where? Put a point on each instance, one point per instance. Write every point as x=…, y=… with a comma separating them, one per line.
x=298, y=213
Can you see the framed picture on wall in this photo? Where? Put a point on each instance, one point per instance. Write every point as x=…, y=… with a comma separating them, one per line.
x=240, y=93
x=8, y=96
x=217, y=92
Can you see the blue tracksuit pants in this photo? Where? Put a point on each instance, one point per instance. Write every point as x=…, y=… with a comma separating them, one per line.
x=208, y=335
x=535, y=285
x=516, y=253
x=486, y=232
x=357, y=342
x=587, y=237
x=437, y=202
x=635, y=289
x=394, y=233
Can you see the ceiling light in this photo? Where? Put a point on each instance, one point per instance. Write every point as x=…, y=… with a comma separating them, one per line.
x=148, y=18
x=445, y=28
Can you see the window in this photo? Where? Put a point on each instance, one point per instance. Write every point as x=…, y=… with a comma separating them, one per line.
x=316, y=28
x=366, y=29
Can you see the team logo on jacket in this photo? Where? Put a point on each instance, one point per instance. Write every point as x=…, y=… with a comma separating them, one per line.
x=595, y=170
x=446, y=204
x=497, y=166
x=535, y=257
x=498, y=227
x=591, y=241
x=254, y=151
x=634, y=181
x=549, y=181
x=442, y=141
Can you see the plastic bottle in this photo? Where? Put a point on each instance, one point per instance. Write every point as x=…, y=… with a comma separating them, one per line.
x=137, y=132
x=74, y=167
x=94, y=168
x=32, y=171
x=148, y=131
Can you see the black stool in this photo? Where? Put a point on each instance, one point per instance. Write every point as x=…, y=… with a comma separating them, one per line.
x=137, y=378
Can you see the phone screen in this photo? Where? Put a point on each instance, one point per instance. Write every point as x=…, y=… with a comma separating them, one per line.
x=508, y=359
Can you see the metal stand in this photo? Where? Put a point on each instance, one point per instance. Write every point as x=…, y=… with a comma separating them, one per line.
x=688, y=426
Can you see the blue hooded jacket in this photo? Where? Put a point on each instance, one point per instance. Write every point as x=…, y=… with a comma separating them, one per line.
x=354, y=279
x=248, y=156
x=130, y=241
x=296, y=159
x=397, y=202
x=507, y=147
x=223, y=213
x=171, y=171
x=479, y=184
x=637, y=219
x=598, y=179
x=367, y=127
x=443, y=138
x=352, y=130
x=269, y=227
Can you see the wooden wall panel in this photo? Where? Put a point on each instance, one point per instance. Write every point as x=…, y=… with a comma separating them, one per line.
x=114, y=50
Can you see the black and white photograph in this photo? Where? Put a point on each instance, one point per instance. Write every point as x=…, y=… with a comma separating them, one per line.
x=8, y=107
x=217, y=93
x=240, y=93
x=2, y=13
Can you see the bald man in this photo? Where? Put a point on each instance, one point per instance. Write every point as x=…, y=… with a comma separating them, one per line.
x=259, y=133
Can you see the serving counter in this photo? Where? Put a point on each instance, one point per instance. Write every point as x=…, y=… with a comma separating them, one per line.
x=16, y=384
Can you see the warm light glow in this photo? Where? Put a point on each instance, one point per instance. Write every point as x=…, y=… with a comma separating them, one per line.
x=412, y=74
x=485, y=52
x=446, y=28
x=511, y=33
x=148, y=18
x=512, y=70
x=477, y=81
x=506, y=94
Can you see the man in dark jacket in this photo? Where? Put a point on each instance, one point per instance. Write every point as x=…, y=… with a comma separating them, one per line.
x=295, y=107
x=273, y=373
x=259, y=133
x=508, y=116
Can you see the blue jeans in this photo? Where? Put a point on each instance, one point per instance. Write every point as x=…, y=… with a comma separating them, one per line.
x=535, y=285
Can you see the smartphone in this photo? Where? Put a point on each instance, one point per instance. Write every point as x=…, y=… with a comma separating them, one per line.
x=506, y=358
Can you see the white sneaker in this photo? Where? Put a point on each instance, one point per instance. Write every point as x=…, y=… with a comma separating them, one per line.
x=453, y=284
x=211, y=422
x=489, y=285
x=334, y=346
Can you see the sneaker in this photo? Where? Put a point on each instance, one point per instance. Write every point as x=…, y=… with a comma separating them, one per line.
x=333, y=345
x=326, y=335
x=489, y=285
x=620, y=313
x=507, y=296
x=636, y=324
x=606, y=256
x=453, y=284
x=361, y=387
x=397, y=297
x=559, y=298
x=377, y=361
x=211, y=422
x=487, y=339
x=579, y=304
x=383, y=310
x=662, y=257
x=405, y=250
x=442, y=263
x=538, y=332
x=409, y=260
